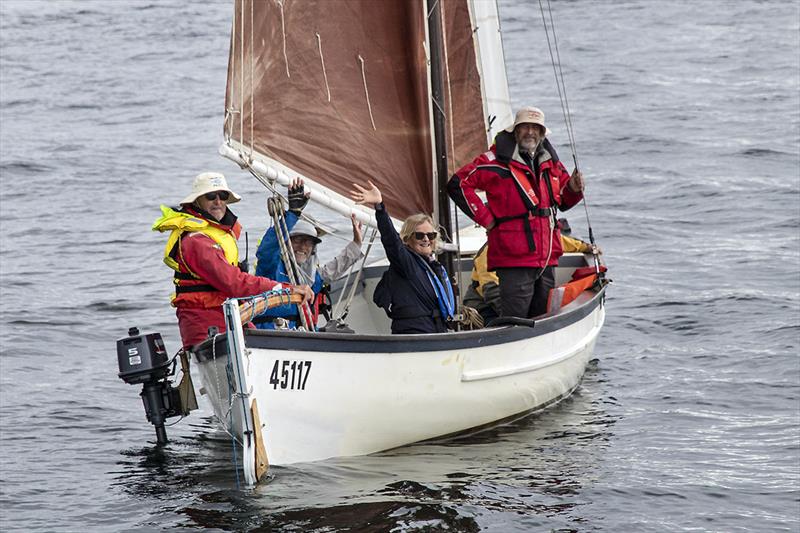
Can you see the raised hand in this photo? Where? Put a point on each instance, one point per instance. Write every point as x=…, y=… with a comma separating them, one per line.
x=358, y=234
x=366, y=196
x=298, y=198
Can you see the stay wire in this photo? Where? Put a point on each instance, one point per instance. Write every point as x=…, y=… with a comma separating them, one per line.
x=558, y=73
x=335, y=313
x=561, y=86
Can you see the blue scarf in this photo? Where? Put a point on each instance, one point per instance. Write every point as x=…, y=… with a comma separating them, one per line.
x=444, y=292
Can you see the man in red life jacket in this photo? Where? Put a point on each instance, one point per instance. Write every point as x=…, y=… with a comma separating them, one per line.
x=203, y=252
x=525, y=185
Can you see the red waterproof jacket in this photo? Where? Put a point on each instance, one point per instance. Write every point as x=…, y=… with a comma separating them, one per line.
x=521, y=236
x=205, y=258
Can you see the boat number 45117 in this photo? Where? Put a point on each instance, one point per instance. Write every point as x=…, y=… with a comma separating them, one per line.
x=290, y=374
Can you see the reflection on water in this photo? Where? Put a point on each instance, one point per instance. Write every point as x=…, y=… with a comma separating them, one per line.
x=534, y=470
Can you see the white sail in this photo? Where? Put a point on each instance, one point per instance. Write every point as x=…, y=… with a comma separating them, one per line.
x=492, y=65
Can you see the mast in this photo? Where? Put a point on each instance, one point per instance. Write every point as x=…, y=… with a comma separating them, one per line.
x=439, y=125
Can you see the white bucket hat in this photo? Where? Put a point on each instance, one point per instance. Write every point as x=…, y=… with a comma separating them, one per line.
x=529, y=115
x=306, y=229
x=210, y=182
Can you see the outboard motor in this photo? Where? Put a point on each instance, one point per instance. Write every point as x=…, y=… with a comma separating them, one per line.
x=143, y=359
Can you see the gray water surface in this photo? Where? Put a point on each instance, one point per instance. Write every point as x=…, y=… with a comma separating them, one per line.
x=687, y=120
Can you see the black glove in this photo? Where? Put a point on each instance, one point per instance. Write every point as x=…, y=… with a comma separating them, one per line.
x=297, y=199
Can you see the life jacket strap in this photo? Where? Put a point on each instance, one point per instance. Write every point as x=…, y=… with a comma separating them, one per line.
x=525, y=189
x=182, y=289
x=185, y=276
x=543, y=212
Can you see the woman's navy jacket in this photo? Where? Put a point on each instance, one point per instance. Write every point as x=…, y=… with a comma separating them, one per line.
x=405, y=292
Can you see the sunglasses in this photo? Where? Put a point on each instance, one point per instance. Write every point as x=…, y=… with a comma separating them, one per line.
x=419, y=235
x=222, y=195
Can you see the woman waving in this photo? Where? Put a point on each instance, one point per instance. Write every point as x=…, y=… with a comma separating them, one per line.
x=415, y=291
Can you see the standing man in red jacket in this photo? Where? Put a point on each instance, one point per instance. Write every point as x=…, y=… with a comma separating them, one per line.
x=203, y=252
x=525, y=185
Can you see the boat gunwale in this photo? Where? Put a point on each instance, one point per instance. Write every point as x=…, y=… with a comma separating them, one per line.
x=397, y=344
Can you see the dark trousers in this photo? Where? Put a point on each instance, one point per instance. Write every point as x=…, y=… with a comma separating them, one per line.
x=523, y=291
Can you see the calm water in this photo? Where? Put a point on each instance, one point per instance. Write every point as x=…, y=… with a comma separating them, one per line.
x=687, y=116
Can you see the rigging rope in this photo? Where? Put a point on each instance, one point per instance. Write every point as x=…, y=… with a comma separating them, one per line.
x=335, y=313
x=437, y=107
x=558, y=72
x=449, y=116
x=275, y=208
x=559, y=76
x=456, y=237
x=252, y=76
x=241, y=73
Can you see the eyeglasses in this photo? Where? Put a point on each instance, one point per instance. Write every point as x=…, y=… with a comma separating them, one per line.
x=301, y=239
x=222, y=195
x=419, y=235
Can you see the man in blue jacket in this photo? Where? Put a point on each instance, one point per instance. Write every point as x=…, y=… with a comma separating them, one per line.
x=303, y=240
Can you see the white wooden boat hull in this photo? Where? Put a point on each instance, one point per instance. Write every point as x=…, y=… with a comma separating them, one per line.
x=322, y=395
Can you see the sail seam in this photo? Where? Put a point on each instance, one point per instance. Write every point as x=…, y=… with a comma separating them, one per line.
x=366, y=91
x=322, y=60
x=283, y=31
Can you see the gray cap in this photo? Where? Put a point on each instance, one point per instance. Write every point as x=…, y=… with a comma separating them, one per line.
x=305, y=228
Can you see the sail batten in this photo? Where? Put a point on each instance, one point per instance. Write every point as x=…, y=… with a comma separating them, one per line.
x=337, y=91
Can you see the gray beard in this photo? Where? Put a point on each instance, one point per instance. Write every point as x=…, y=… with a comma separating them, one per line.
x=532, y=150
x=308, y=270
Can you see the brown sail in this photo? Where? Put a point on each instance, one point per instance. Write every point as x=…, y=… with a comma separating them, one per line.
x=337, y=90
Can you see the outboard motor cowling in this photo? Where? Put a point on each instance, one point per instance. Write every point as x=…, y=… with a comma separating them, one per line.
x=143, y=359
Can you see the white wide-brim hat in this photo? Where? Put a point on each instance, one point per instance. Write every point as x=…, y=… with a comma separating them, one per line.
x=210, y=182
x=529, y=115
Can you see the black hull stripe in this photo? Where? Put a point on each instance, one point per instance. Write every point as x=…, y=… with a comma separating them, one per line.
x=356, y=343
